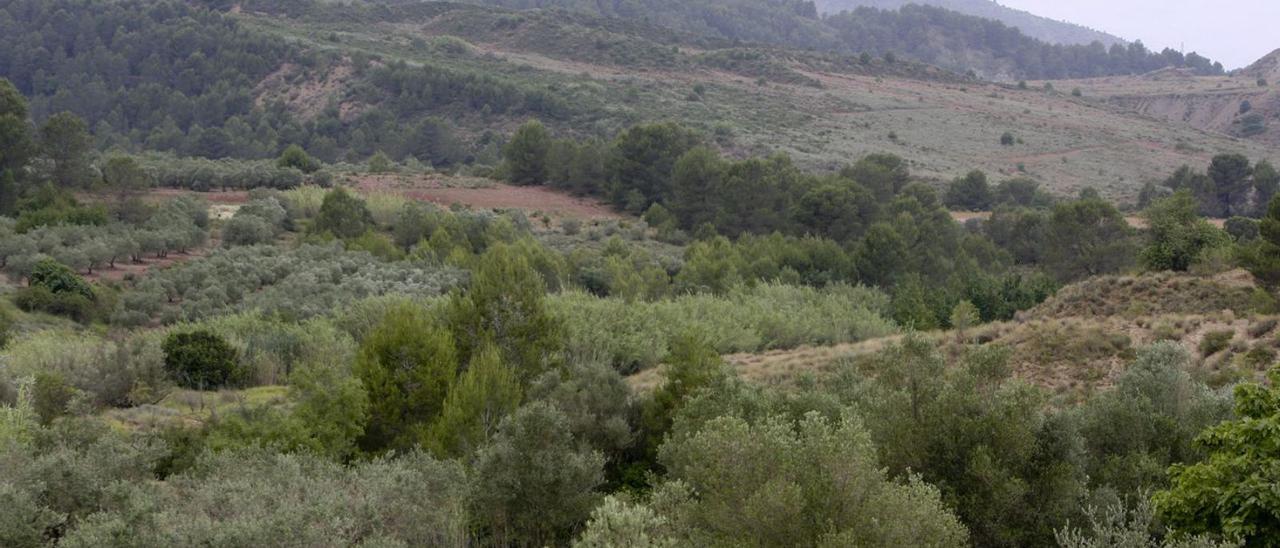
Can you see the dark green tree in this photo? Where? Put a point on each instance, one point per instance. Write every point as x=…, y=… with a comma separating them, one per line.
x=643, y=161
x=526, y=154
x=505, y=304
x=970, y=193
x=1262, y=259
x=839, y=208
x=885, y=175
x=1266, y=184
x=16, y=145
x=406, y=365
x=696, y=174
x=201, y=360
x=297, y=158
x=1230, y=174
x=65, y=140
x=342, y=215
x=1088, y=238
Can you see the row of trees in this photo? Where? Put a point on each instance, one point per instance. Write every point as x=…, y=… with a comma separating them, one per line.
x=1231, y=186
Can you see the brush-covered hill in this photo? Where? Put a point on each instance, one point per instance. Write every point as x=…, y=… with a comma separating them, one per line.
x=1243, y=104
x=445, y=83
x=1035, y=26
x=987, y=47
x=1079, y=341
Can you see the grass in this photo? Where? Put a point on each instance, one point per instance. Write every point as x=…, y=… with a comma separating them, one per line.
x=191, y=407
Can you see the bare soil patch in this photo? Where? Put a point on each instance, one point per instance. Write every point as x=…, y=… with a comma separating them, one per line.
x=485, y=194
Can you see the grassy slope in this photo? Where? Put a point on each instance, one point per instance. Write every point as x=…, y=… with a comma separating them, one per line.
x=945, y=125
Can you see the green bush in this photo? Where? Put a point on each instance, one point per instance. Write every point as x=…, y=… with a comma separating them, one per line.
x=1215, y=342
x=58, y=278
x=297, y=158
x=201, y=360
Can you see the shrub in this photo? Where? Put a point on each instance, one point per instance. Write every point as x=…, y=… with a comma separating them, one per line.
x=342, y=215
x=1215, y=342
x=113, y=372
x=1262, y=327
x=1008, y=139
x=201, y=360
x=58, y=278
x=297, y=158
x=41, y=299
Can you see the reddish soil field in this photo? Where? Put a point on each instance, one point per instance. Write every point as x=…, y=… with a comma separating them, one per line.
x=486, y=194
x=125, y=268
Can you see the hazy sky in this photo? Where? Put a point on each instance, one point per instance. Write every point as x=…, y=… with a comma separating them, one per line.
x=1236, y=32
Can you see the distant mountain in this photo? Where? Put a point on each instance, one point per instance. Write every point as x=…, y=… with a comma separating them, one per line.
x=1035, y=26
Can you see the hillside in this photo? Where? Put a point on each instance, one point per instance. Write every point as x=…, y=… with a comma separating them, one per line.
x=1040, y=28
x=821, y=109
x=441, y=83
x=930, y=34
x=1244, y=104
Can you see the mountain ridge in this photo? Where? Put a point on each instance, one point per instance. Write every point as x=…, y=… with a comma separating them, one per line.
x=1036, y=26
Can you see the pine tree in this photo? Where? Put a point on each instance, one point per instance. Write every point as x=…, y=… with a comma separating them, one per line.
x=526, y=154
x=406, y=365
x=488, y=391
x=506, y=304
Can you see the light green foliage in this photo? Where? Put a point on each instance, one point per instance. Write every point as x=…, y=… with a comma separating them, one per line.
x=257, y=222
x=294, y=284
x=533, y=486
x=1231, y=493
x=328, y=413
x=1006, y=466
x=618, y=524
x=255, y=498
x=477, y=402
x=597, y=402
x=114, y=372
x=815, y=482
x=406, y=365
x=963, y=317
x=635, y=335
x=1178, y=237
x=380, y=163
x=526, y=154
x=1148, y=421
x=64, y=474
x=19, y=421
x=1119, y=527
x=505, y=304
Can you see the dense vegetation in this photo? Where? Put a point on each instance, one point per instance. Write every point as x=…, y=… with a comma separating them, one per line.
x=323, y=359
